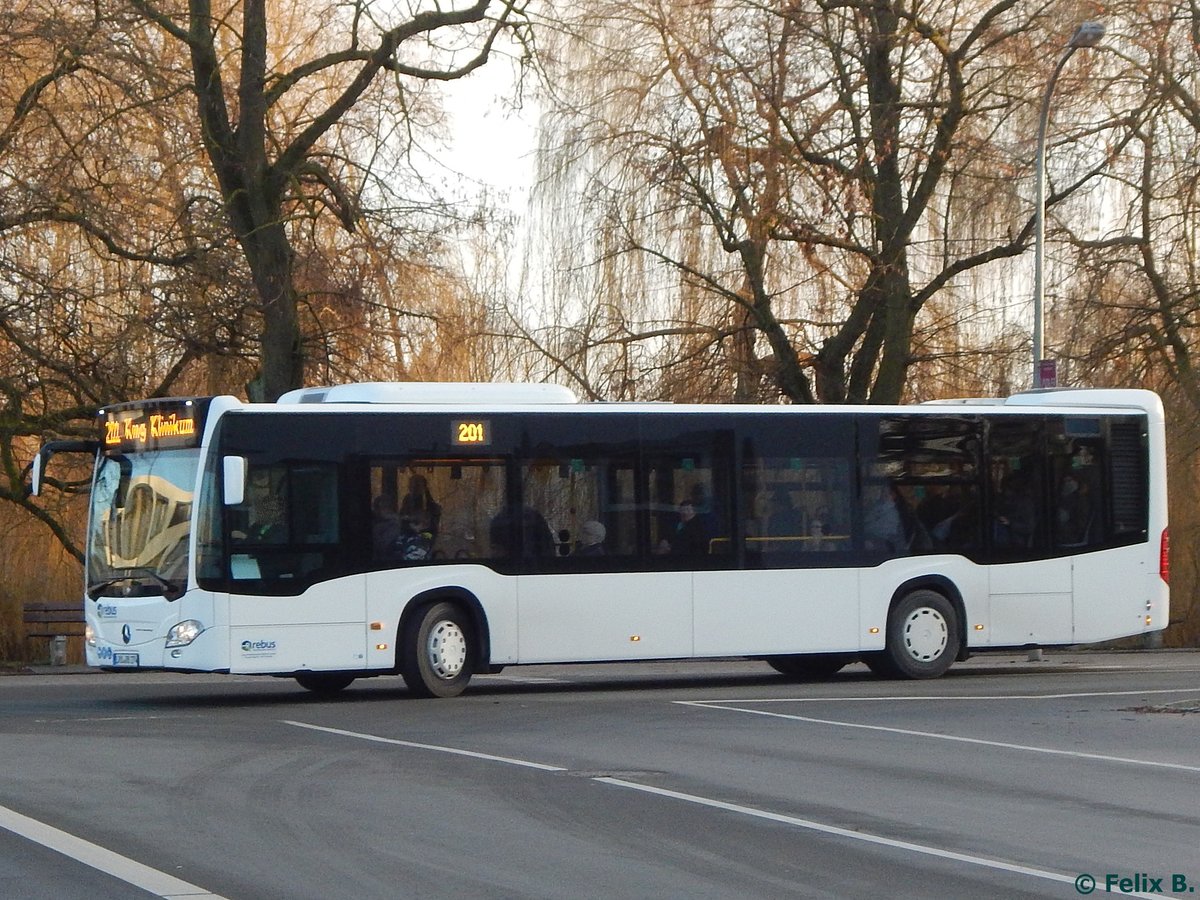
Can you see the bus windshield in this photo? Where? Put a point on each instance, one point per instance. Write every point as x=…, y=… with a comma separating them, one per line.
x=140, y=523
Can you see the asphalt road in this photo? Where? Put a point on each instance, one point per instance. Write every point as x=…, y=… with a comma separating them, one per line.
x=1006, y=778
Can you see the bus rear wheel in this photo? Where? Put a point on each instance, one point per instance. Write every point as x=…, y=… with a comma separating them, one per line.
x=922, y=638
x=808, y=666
x=323, y=682
x=438, y=651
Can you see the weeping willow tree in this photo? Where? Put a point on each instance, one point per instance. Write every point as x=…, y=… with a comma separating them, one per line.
x=1128, y=297
x=784, y=200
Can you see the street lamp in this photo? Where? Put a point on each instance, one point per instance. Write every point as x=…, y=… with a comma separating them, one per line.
x=1088, y=34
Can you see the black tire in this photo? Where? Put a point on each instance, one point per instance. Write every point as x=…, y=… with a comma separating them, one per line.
x=923, y=638
x=808, y=666
x=438, y=651
x=324, y=682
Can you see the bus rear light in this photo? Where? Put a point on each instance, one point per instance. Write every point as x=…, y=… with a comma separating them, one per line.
x=1164, y=556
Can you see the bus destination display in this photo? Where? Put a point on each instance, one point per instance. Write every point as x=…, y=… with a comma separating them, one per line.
x=157, y=426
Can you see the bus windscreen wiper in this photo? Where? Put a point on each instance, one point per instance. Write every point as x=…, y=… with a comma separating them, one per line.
x=171, y=590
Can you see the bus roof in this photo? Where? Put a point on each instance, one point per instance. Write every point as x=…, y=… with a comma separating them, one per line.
x=524, y=397
x=432, y=392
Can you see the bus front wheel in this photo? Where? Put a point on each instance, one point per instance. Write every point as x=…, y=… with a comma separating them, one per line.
x=922, y=638
x=438, y=650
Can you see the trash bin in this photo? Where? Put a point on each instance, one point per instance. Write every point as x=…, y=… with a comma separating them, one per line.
x=58, y=650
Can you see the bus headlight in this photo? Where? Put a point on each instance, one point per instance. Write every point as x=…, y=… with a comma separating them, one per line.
x=89, y=635
x=184, y=633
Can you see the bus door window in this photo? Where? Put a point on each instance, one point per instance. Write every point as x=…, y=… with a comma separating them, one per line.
x=261, y=518
x=1078, y=453
x=1016, y=502
x=288, y=527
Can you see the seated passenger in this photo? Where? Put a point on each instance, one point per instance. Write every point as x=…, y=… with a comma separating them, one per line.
x=266, y=521
x=591, y=539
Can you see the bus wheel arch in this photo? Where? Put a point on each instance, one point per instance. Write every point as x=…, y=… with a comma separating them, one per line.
x=926, y=630
x=441, y=641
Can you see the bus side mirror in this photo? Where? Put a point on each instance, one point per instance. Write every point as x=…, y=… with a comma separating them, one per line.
x=42, y=457
x=35, y=477
x=234, y=471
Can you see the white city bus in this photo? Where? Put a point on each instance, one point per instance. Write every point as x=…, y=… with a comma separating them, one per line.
x=436, y=531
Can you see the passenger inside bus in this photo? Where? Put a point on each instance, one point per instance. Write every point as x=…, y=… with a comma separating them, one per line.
x=690, y=536
x=1074, y=512
x=1016, y=512
x=591, y=539
x=883, y=526
x=266, y=523
x=419, y=512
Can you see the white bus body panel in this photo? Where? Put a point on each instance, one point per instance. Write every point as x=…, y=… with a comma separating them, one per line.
x=634, y=615
x=1115, y=591
x=1032, y=603
x=323, y=628
x=776, y=611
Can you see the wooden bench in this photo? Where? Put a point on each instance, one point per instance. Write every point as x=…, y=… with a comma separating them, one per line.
x=55, y=619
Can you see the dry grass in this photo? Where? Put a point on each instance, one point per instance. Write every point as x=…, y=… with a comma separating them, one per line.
x=35, y=567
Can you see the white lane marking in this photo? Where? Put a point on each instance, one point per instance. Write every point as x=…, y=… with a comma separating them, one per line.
x=122, y=867
x=1074, y=754
x=416, y=746
x=808, y=824
x=973, y=697
x=864, y=837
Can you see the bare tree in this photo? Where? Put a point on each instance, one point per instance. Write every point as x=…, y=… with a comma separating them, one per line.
x=845, y=163
x=267, y=123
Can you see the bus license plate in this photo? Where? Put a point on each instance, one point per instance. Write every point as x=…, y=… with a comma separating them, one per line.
x=125, y=659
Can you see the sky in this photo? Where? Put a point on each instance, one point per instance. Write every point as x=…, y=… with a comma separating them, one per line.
x=491, y=142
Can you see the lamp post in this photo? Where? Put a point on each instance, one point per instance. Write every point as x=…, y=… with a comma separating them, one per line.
x=1089, y=34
